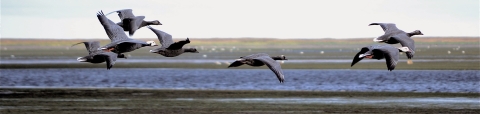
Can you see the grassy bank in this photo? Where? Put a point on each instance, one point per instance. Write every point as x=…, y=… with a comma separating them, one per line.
x=121, y=100
x=449, y=49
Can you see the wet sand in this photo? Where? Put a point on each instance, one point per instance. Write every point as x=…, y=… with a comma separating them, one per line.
x=121, y=100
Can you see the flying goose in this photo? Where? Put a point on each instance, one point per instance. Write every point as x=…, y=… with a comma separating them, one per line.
x=261, y=59
x=393, y=35
x=97, y=56
x=387, y=52
x=130, y=22
x=120, y=42
x=170, y=48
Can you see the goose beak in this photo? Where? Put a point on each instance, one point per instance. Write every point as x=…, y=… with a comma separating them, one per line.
x=361, y=55
x=376, y=40
x=365, y=55
x=81, y=59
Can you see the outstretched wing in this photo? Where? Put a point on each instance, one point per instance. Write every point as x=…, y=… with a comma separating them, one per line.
x=179, y=44
x=253, y=56
x=236, y=63
x=110, y=58
x=135, y=23
x=387, y=27
x=164, y=38
x=390, y=54
x=114, y=32
x=406, y=41
x=91, y=46
x=124, y=13
x=356, y=59
x=273, y=65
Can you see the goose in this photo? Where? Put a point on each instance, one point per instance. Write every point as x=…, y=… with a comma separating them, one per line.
x=170, y=48
x=97, y=56
x=387, y=52
x=393, y=35
x=120, y=42
x=261, y=59
x=131, y=23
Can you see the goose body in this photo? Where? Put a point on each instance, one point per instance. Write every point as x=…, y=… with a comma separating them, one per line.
x=387, y=52
x=97, y=56
x=393, y=35
x=131, y=23
x=261, y=59
x=120, y=42
x=170, y=48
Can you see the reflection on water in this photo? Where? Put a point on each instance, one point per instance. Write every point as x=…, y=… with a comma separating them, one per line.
x=247, y=79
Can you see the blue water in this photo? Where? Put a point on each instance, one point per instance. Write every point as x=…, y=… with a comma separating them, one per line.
x=247, y=79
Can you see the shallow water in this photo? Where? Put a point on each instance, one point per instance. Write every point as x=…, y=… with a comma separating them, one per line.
x=247, y=79
x=455, y=102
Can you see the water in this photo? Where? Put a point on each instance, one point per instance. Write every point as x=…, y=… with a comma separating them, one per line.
x=247, y=79
x=454, y=102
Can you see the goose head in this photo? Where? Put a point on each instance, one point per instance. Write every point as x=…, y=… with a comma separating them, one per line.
x=281, y=57
x=192, y=50
x=81, y=59
x=417, y=32
x=156, y=22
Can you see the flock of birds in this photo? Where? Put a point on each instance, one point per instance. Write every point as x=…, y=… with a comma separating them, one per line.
x=121, y=43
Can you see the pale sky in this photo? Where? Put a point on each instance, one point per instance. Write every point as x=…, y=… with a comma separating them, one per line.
x=242, y=18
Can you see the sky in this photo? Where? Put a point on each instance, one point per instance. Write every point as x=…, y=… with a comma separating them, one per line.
x=76, y=19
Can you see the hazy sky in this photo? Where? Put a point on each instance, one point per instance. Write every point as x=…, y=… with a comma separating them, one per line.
x=242, y=18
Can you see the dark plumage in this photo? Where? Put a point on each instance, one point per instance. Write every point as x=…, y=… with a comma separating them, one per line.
x=261, y=59
x=170, y=48
x=131, y=23
x=120, y=42
x=393, y=35
x=387, y=52
x=97, y=56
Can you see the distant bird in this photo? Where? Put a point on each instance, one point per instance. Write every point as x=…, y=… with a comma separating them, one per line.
x=261, y=59
x=120, y=42
x=131, y=23
x=387, y=52
x=170, y=48
x=97, y=56
x=393, y=35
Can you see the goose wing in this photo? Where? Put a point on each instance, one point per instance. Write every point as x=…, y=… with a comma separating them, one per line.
x=114, y=32
x=164, y=38
x=253, y=56
x=179, y=44
x=390, y=54
x=124, y=13
x=273, y=65
x=406, y=41
x=356, y=59
x=91, y=46
x=238, y=62
x=387, y=27
x=135, y=24
x=110, y=58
